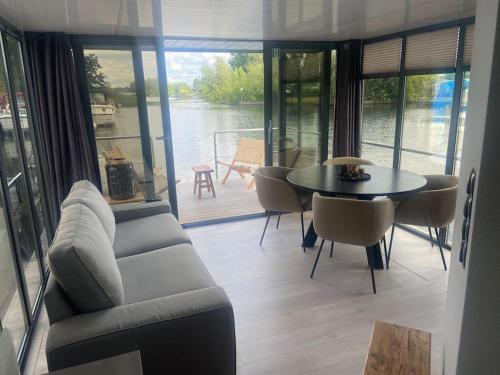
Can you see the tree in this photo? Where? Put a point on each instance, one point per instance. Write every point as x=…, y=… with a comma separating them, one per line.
x=228, y=84
x=95, y=77
x=242, y=60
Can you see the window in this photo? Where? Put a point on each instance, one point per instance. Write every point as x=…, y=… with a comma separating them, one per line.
x=379, y=119
x=113, y=100
x=21, y=99
x=461, y=123
x=426, y=124
x=333, y=94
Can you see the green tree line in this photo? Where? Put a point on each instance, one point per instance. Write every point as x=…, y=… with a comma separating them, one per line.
x=419, y=88
x=241, y=78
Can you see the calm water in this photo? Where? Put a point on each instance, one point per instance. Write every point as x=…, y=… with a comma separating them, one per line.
x=194, y=123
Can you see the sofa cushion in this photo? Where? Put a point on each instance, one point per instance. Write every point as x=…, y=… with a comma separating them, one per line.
x=148, y=233
x=82, y=261
x=161, y=273
x=86, y=193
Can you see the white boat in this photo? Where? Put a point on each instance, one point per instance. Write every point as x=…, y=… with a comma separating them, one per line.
x=103, y=109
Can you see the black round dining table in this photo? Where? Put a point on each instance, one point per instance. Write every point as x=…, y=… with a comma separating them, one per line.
x=383, y=181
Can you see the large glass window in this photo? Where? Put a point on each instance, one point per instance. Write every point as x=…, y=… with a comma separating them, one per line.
x=113, y=100
x=333, y=96
x=461, y=123
x=21, y=98
x=426, y=124
x=20, y=215
x=380, y=97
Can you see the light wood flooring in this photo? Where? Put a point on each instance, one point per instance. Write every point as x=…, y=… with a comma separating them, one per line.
x=287, y=323
x=232, y=199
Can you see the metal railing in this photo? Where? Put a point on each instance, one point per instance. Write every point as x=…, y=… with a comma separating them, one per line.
x=413, y=150
x=214, y=135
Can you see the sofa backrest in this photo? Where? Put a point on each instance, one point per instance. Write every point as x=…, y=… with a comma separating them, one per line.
x=82, y=260
x=56, y=302
x=85, y=192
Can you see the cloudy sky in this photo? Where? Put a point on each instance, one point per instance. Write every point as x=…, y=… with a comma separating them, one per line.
x=181, y=66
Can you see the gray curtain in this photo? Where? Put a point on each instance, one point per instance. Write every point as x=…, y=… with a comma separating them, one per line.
x=64, y=146
x=347, y=134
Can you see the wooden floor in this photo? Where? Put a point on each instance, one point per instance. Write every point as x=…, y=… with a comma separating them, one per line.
x=289, y=324
x=232, y=199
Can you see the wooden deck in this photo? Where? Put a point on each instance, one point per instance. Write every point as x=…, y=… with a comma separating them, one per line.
x=232, y=199
x=287, y=323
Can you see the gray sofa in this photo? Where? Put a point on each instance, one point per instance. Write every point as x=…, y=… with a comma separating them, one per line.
x=127, y=279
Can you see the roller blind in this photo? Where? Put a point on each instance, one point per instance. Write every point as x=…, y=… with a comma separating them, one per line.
x=382, y=57
x=431, y=50
x=468, y=44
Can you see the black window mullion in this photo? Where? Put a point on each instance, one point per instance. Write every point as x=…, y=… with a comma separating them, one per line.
x=398, y=134
x=167, y=127
x=142, y=109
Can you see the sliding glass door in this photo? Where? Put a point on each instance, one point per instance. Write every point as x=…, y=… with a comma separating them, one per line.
x=24, y=237
x=300, y=101
x=124, y=98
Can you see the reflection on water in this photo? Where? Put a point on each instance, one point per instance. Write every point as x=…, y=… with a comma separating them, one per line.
x=194, y=123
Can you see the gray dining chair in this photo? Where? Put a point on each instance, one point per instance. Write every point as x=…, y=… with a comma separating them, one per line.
x=432, y=207
x=351, y=160
x=351, y=221
x=277, y=195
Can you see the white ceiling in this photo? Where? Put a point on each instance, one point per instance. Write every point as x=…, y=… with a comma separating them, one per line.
x=238, y=19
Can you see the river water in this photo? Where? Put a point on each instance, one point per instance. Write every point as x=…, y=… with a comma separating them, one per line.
x=194, y=123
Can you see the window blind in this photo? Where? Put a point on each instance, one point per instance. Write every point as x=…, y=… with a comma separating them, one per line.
x=431, y=50
x=468, y=44
x=382, y=57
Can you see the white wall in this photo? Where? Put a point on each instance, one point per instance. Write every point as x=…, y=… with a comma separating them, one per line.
x=472, y=332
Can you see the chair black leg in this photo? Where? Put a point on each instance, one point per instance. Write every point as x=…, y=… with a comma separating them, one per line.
x=278, y=223
x=331, y=250
x=265, y=227
x=371, y=270
x=430, y=235
x=440, y=249
x=317, y=258
x=385, y=253
x=390, y=248
x=303, y=235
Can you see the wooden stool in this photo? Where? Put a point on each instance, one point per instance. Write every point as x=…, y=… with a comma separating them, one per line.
x=203, y=179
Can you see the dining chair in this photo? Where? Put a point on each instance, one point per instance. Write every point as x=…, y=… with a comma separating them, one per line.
x=351, y=221
x=432, y=207
x=351, y=160
x=277, y=195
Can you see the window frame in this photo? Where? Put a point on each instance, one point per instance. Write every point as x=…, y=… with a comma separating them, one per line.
x=459, y=71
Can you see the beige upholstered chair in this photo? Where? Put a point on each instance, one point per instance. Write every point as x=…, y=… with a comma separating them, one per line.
x=352, y=221
x=347, y=160
x=277, y=195
x=432, y=207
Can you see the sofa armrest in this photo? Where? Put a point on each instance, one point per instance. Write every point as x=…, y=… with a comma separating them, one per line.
x=136, y=210
x=186, y=333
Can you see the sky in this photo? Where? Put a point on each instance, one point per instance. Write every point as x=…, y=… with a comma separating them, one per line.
x=181, y=66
